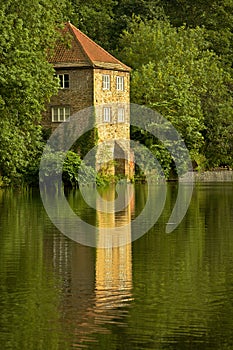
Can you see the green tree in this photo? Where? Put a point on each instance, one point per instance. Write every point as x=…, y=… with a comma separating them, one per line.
x=125, y=10
x=176, y=74
x=104, y=20
x=28, y=30
x=95, y=18
x=215, y=16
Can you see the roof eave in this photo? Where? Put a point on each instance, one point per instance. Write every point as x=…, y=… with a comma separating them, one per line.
x=72, y=64
x=111, y=66
x=95, y=64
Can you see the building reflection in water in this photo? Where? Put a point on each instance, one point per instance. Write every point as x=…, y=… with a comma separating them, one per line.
x=113, y=278
x=97, y=282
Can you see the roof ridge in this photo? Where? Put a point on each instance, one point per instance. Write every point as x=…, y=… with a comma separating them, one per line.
x=70, y=25
x=73, y=28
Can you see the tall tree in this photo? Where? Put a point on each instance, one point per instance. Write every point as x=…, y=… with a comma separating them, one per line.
x=216, y=16
x=96, y=19
x=126, y=10
x=176, y=74
x=28, y=29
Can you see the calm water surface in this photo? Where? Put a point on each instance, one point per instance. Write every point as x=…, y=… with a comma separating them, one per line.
x=163, y=291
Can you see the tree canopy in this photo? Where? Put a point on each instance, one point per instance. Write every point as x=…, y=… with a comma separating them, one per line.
x=177, y=74
x=28, y=29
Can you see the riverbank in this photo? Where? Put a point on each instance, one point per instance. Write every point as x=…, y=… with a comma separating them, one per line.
x=219, y=175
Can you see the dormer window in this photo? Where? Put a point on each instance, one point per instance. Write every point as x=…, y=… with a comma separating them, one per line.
x=120, y=83
x=106, y=82
x=64, y=81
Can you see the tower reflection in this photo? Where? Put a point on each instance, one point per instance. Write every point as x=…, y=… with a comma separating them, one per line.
x=113, y=278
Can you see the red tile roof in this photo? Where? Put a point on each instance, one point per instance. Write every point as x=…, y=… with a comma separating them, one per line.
x=79, y=50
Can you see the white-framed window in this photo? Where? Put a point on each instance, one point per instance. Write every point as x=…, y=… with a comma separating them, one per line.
x=106, y=82
x=121, y=115
x=64, y=81
x=107, y=114
x=120, y=83
x=60, y=114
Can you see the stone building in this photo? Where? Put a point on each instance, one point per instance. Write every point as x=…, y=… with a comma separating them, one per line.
x=90, y=76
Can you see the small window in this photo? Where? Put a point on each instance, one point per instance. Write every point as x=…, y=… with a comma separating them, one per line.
x=106, y=81
x=107, y=114
x=64, y=81
x=60, y=114
x=120, y=83
x=121, y=115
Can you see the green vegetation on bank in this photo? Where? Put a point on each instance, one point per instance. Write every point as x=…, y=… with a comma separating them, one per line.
x=180, y=52
x=74, y=171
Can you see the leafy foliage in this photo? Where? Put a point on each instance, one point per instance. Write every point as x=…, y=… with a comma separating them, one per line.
x=74, y=171
x=95, y=18
x=56, y=163
x=215, y=16
x=176, y=74
x=28, y=29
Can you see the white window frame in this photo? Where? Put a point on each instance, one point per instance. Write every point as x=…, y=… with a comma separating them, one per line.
x=62, y=113
x=64, y=82
x=106, y=82
x=107, y=114
x=121, y=115
x=120, y=83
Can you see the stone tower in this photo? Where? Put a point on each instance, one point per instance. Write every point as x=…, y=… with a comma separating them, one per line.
x=90, y=76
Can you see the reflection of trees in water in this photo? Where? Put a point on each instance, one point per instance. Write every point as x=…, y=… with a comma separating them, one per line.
x=29, y=316
x=183, y=281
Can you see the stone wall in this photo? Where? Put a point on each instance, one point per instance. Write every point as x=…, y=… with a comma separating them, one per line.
x=114, y=99
x=113, y=95
x=78, y=96
x=220, y=175
x=117, y=134
x=214, y=176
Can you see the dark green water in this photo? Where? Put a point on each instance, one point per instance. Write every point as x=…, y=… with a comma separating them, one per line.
x=163, y=291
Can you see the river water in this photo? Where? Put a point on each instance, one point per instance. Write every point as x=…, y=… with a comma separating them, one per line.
x=162, y=291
